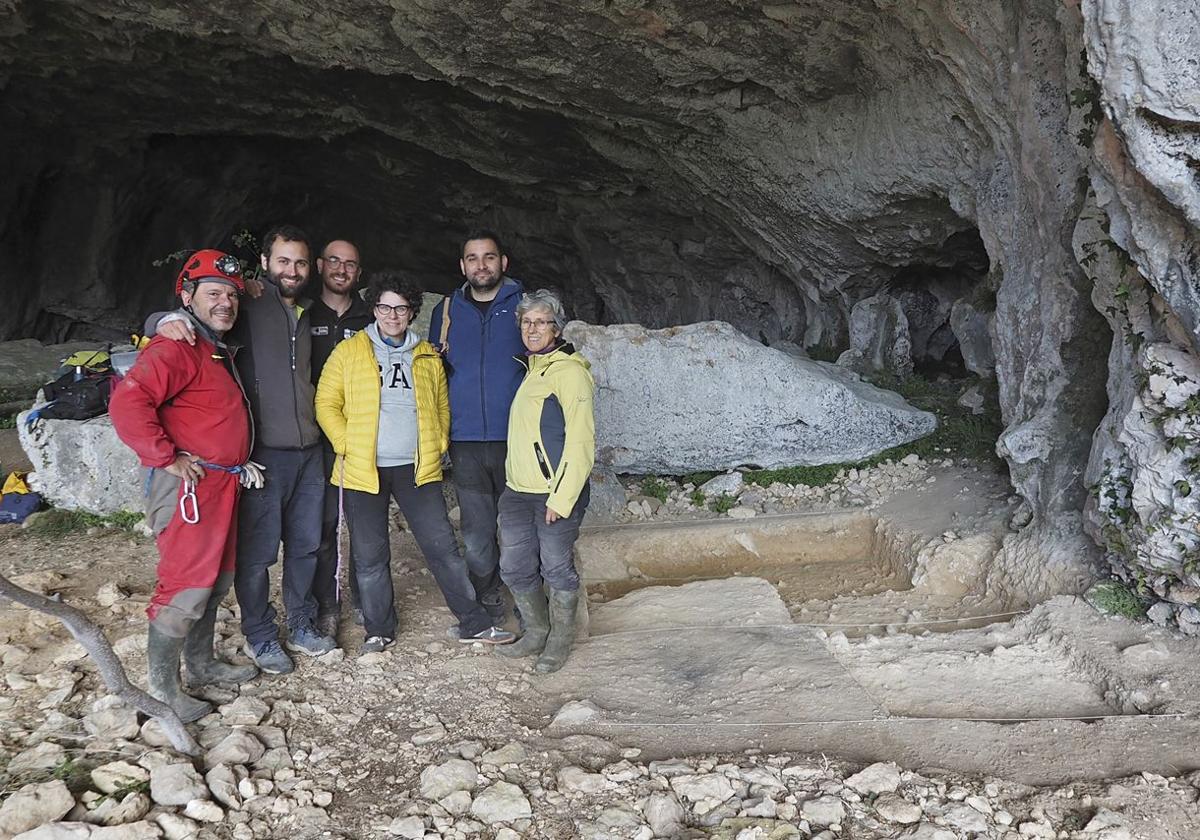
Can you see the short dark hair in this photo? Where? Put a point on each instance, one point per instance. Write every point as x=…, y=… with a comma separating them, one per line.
x=482, y=233
x=397, y=283
x=288, y=233
x=333, y=239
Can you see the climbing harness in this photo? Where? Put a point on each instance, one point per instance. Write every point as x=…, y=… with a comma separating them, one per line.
x=250, y=475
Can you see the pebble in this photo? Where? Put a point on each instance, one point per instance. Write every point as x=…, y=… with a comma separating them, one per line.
x=238, y=747
x=204, y=810
x=176, y=784
x=440, y=780
x=111, y=777
x=664, y=813
x=574, y=713
x=501, y=802
x=245, y=711
x=897, y=809
x=110, y=718
x=881, y=777
x=177, y=827
x=429, y=735
x=578, y=780
x=825, y=810
x=412, y=828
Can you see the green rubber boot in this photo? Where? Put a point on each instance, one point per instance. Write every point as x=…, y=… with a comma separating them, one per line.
x=162, y=665
x=203, y=668
x=563, y=605
x=533, y=608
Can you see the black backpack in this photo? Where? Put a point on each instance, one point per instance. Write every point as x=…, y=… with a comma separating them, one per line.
x=79, y=394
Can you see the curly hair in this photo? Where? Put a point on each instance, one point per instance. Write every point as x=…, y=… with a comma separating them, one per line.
x=396, y=283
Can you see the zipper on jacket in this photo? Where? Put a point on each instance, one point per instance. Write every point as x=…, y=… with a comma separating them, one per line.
x=541, y=459
x=558, y=483
x=292, y=349
x=417, y=454
x=482, y=377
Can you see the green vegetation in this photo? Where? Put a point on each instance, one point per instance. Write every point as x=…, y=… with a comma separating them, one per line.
x=960, y=434
x=8, y=421
x=57, y=522
x=1112, y=597
x=724, y=503
x=698, y=478
x=656, y=488
x=697, y=498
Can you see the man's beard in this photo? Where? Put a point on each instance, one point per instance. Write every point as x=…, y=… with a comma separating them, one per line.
x=290, y=291
x=481, y=285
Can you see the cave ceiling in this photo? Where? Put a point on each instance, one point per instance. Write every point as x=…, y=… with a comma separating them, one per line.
x=660, y=162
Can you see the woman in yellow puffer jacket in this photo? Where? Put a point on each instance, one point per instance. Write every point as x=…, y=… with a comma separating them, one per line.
x=382, y=402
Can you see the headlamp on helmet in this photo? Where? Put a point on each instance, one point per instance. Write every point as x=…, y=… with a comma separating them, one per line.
x=213, y=266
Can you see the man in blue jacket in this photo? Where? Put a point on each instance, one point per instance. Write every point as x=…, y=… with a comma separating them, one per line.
x=476, y=331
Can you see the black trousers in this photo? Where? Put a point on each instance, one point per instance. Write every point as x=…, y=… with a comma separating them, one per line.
x=425, y=509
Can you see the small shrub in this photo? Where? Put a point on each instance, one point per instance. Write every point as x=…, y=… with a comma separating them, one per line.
x=656, y=488
x=724, y=503
x=814, y=476
x=697, y=498
x=56, y=523
x=1114, y=598
x=698, y=478
x=8, y=421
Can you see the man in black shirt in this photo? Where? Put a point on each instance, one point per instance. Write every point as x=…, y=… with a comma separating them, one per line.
x=337, y=314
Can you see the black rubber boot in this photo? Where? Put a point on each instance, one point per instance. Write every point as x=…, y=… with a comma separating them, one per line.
x=203, y=667
x=162, y=665
x=537, y=625
x=563, y=604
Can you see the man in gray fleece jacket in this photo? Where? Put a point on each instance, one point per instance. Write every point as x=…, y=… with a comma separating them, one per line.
x=274, y=364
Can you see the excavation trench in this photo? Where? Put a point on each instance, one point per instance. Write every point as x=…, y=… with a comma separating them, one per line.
x=856, y=633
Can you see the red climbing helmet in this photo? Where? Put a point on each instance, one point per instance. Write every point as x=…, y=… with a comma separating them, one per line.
x=213, y=265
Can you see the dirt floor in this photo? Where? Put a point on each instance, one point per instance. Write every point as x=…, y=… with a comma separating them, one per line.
x=760, y=663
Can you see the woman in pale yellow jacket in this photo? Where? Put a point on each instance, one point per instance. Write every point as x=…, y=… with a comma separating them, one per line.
x=382, y=402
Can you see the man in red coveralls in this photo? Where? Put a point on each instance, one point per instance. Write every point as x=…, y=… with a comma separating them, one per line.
x=182, y=410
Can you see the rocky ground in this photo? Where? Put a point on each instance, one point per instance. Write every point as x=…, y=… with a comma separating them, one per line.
x=438, y=739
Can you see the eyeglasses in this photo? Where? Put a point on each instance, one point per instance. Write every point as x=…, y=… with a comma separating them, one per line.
x=336, y=262
x=383, y=310
x=535, y=325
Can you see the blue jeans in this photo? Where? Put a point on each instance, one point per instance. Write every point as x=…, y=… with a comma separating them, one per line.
x=532, y=551
x=287, y=509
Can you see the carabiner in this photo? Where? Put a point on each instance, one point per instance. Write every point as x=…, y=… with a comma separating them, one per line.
x=188, y=500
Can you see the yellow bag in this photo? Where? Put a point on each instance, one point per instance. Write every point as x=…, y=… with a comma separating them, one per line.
x=15, y=483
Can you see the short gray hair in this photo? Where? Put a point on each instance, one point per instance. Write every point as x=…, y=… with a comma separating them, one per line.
x=543, y=299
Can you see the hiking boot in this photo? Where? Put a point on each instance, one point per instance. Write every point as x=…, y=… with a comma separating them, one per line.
x=490, y=636
x=327, y=623
x=563, y=606
x=162, y=677
x=203, y=668
x=269, y=657
x=537, y=625
x=376, y=644
x=493, y=604
x=309, y=641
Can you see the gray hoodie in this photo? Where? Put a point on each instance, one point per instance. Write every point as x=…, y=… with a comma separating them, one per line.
x=397, y=443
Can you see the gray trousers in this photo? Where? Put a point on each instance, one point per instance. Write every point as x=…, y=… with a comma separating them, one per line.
x=532, y=552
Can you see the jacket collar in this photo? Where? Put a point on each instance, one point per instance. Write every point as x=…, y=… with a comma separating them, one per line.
x=508, y=288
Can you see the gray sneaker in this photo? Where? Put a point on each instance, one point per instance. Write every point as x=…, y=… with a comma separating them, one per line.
x=376, y=644
x=327, y=624
x=308, y=641
x=269, y=657
x=490, y=636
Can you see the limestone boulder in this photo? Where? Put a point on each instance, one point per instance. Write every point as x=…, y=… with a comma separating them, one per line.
x=83, y=465
x=879, y=338
x=972, y=327
x=705, y=396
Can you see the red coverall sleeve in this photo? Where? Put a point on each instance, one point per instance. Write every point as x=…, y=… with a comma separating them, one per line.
x=163, y=369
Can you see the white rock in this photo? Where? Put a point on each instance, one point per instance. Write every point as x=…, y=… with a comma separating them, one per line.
x=929, y=831
x=881, y=777
x=115, y=775
x=664, y=813
x=204, y=810
x=708, y=786
x=502, y=802
x=238, y=747
x=510, y=753
x=440, y=780
x=35, y=804
x=111, y=811
x=1042, y=831
x=741, y=512
x=825, y=810
x=223, y=782
x=457, y=803
x=429, y=735
x=966, y=818
x=897, y=809
x=574, y=713
x=176, y=784
x=730, y=483
x=799, y=412
x=176, y=827
x=44, y=756
x=412, y=827
x=109, y=593
x=111, y=718
x=246, y=710
x=83, y=465
x=578, y=780
x=131, y=831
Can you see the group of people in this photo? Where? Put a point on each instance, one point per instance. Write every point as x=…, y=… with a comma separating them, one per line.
x=263, y=417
